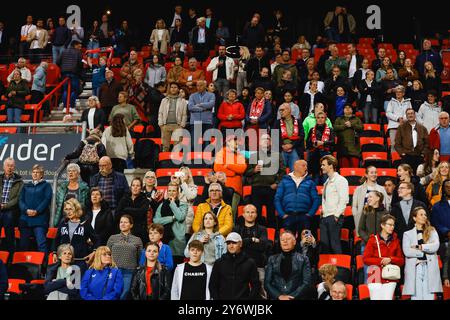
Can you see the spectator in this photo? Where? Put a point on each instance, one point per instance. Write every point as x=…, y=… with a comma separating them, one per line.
x=313, y=75
x=283, y=66
x=75, y=230
x=95, y=284
x=70, y=62
x=244, y=98
x=125, y=249
x=389, y=186
x=420, y=245
x=389, y=88
x=175, y=73
x=286, y=85
x=354, y=60
x=406, y=174
x=434, y=189
x=3, y=49
x=145, y=98
x=88, y=153
x=109, y=93
x=176, y=53
x=328, y=274
x=160, y=37
x=396, y=113
x=362, y=192
x=431, y=79
x=402, y=210
x=220, y=178
x=255, y=65
x=76, y=32
x=107, y=31
x=320, y=143
x=222, y=33
x=35, y=198
x=288, y=274
x=334, y=200
x=427, y=169
x=408, y=73
x=231, y=113
x=128, y=68
x=94, y=116
x=376, y=63
x=339, y=99
x=428, y=114
x=361, y=73
x=112, y=184
x=411, y=140
x=25, y=31
x=338, y=291
x=156, y=72
x=241, y=78
x=93, y=35
x=172, y=214
x=202, y=39
x=234, y=276
x=210, y=20
x=211, y=239
x=334, y=24
x=60, y=277
x=191, y=279
x=38, y=87
x=259, y=112
x=222, y=68
x=301, y=44
x=255, y=242
x=296, y=199
x=428, y=54
x=216, y=205
x=440, y=137
x=11, y=186
x=337, y=61
x=292, y=136
x=401, y=59
x=310, y=120
x=200, y=107
x=155, y=234
x=153, y=195
x=253, y=33
x=16, y=94
x=118, y=143
x=336, y=79
x=99, y=215
x=262, y=81
x=417, y=94
x=295, y=110
x=152, y=281
x=347, y=128
x=382, y=71
x=72, y=188
x=98, y=74
x=191, y=76
x=179, y=34
x=131, y=116
x=310, y=248
x=37, y=38
x=371, y=217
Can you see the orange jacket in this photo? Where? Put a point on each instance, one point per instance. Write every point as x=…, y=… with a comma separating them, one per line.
x=234, y=169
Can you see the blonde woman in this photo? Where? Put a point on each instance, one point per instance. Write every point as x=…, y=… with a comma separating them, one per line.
x=431, y=79
x=434, y=189
x=241, y=80
x=103, y=281
x=160, y=37
x=328, y=274
x=153, y=195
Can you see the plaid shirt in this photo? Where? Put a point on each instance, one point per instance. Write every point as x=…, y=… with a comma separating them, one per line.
x=107, y=188
x=7, y=184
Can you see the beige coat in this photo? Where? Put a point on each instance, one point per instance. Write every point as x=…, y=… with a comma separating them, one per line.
x=181, y=112
x=42, y=39
x=118, y=147
x=350, y=18
x=164, y=42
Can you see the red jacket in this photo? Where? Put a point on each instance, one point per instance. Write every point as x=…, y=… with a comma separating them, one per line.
x=236, y=110
x=435, y=140
x=392, y=250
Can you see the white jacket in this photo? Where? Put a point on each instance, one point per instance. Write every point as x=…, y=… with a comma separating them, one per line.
x=428, y=115
x=229, y=68
x=396, y=110
x=177, y=284
x=335, y=196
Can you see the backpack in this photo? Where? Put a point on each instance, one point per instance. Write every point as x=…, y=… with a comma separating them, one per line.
x=146, y=154
x=89, y=154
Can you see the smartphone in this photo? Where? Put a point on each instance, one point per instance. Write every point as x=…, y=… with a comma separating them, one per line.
x=307, y=233
x=179, y=174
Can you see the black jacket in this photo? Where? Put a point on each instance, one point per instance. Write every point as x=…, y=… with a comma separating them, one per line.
x=401, y=226
x=179, y=36
x=299, y=282
x=3, y=280
x=60, y=285
x=79, y=242
x=253, y=36
x=209, y=37
x=234, y=277
x=254, y=66
x=62, y=36
x=419, y=191
x=138, y=209
x=70, y=61
x=374, y=91
x=418, y=97
x=305, y=103
x=99, y=118
x=331, y=85
x=256, y=251
x=104, y=222
x=265, y=83
x=160, y=280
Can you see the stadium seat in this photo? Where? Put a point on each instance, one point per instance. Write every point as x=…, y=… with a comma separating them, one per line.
x=395, y=159
x=372, y=144
x=363, y=292
x=377, y=159
x=199, y=175
x=369, y=41
x=384, y=174
x=163, y=175
x=341, y=261
x=246, y=191
x=4, y=255
x=405, y=47
x=385, y=46
x=166, y=159
x=13, y=285
x=359, y=274
x=349, y=288
x=353, y=175
x=271, y=234
x=27, y=265
x=53, y=75
x=446, y=293
x=371, y=130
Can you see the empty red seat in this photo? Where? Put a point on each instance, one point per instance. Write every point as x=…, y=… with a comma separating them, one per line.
x=363, y=291
x=13, y=285
x=4, y=255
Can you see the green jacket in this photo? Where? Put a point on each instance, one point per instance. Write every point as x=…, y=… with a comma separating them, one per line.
x=340, y=62
x=258, y=180
x=14, y=193
x=83, y=198
x=21, y=89
x=310, y=122
x=348, y=144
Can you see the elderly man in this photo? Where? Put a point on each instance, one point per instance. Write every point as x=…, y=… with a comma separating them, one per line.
x=190, y=77
x=216, y=205
x=10, y=187
x=411, y=140
x=338, y=291
x=109, y=92
x=440, y=137
x=234, y=276
x=428, y=54
x=335, y=60
x=128, y=68
x=24, y=71
x=112, y=184
x=288, y=274
x=202, y=39
x=201, y=106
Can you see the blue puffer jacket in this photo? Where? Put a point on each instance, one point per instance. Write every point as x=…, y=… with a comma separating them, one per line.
x=289, y=198
x=440, y=217
x=36, y=197
x=106, y=284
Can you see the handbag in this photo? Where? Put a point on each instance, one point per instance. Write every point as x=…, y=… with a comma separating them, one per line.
x=389, y=271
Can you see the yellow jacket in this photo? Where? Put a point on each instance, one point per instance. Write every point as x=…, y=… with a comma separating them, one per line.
x=224, y=216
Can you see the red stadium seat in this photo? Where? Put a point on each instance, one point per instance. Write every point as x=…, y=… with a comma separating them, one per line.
x=271, y=234
x=349, y=288
x=4, y=255
x=405, y=47
x=341, y=261
x=377, y=159
x=366, y=40
x=363, y=291
x=446, y=293
x=246, y=191
x=371, y=130
x=13, y=285
x=53, y=75
x=353, y=175
x=372, y=144
x=51, y=233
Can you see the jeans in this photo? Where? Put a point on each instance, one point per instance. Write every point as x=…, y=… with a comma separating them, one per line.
x=13, y=115
x=75, y=85
x=222, y=85
x=330, y=235
x=370, y=109
x=363, y=247
x=127, y=275
x=7, y=222
x=241, y=81
x=91, y=46
x=56, y=51
x=421, y=292
x=40, y=234
x=95, y=91
x=333, y=34
x=296, y=222
x=290, y=158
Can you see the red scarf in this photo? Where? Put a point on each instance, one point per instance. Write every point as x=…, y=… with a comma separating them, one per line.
x=284, y=133
x=257, y=108
x=325, y=135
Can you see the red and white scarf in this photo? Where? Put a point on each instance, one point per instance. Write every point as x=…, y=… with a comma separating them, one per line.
x=284, y=133
x=257, y=108
x=325, y=135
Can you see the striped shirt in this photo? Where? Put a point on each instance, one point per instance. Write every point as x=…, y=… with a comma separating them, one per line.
x=7, y=184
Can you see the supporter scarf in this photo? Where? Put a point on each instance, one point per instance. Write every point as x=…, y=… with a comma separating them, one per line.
x=257, y=108
x=284, y=133
x=325, y=135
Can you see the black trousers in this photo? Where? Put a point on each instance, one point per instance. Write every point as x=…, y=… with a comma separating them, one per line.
x=330, y=235
x=413, y=161
x=119, y=165
x=263, y=196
